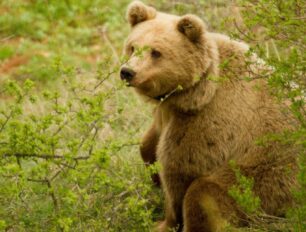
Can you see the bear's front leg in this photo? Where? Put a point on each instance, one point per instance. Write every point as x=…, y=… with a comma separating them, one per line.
x=175, y=186
x=171, y=222
x=148, y=150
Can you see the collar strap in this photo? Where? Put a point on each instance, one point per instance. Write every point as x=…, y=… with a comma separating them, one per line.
x=161, y=97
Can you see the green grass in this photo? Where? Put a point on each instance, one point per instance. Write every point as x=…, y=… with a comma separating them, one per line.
x=67, y=48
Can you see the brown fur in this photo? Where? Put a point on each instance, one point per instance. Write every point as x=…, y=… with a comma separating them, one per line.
x=148, y=150
x=201, y=127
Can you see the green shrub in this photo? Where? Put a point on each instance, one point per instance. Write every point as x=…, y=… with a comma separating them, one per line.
x=69, y=140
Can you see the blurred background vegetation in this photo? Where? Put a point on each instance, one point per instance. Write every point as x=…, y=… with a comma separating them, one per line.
x=69, y=129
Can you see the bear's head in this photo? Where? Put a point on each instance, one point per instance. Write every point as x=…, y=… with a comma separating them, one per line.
x=166, y=52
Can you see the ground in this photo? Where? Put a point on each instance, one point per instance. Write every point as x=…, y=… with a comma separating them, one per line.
x=50, y=42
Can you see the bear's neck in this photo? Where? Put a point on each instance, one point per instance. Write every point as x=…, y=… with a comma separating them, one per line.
x=195, y=98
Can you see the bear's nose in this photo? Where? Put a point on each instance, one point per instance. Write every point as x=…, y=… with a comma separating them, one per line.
x=127, y=74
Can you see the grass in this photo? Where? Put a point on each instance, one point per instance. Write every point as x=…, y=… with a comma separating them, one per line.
x=80, y=42
x=46, y=41
x=37, y=32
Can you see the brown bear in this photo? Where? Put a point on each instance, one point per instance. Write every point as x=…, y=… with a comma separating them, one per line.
x=207, y=113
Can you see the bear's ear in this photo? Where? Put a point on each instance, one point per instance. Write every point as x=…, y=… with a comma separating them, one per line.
x=138, y=12
x=191, y=26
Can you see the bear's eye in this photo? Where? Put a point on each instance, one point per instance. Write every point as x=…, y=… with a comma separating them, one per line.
x=132, y=49
x=155, y=54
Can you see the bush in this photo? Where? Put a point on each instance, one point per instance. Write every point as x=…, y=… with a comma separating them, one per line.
x=69, y=129
x=276, y=30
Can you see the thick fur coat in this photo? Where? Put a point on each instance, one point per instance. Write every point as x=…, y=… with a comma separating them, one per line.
x=206, y=115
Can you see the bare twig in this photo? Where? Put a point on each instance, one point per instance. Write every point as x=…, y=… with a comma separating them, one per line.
x=37, y=180
x=243, y=33
x=103, y=32
x=52, y=194
x=7, y=38
x=102, y=80
x=44, y=156
x=6, y=120
x=47, y=156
